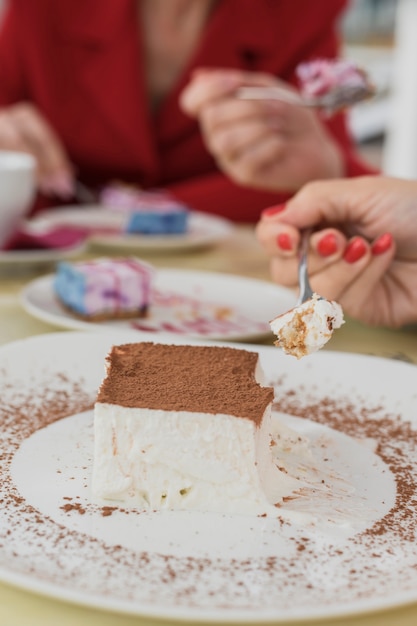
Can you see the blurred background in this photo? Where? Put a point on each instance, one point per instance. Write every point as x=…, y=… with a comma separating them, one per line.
x=380, y=35
x=370, y=33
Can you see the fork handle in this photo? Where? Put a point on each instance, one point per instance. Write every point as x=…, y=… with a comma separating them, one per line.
x=271, y=93
x=306, y=291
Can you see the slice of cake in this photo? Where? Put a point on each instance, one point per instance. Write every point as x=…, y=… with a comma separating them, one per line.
x=186, y=427
x=104, y=289
x=167, y=219
x=308, y=327
x=147, y=212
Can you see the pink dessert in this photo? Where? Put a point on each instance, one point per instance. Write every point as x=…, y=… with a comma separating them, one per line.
x=339, y=78
x=148, y=212
x=105, y=288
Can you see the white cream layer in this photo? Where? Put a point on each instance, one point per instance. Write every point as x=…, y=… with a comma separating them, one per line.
x=192, y=461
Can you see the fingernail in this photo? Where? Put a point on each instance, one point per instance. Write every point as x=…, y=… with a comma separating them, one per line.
x=273, y=210
x=382, y=244
x=327, y=245
x=354, y=250
x=284, y=241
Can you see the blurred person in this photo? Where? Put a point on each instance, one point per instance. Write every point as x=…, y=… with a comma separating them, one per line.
x=265, y=144
x=363, y=248
x=92, y=89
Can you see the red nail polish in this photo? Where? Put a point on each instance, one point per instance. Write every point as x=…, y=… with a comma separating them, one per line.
x=382, y=244
x=273, y=210
x=284, y=241
x=327, y=245
x=354, y=250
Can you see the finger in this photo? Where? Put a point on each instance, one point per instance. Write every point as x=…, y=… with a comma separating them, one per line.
x=244, y=76
x=10, y=135
x=254, y=161
x=321, y=256
x=358, y=295
x=278, y=239
x=285, y=264
x=327, y=246
x=222, y=113
x=225, y=116
x=281, y=243
x=334, y=281
x=231, y=143
x=55, y=173
x=206, y=88
x=284, y=271
x=333, y=201
x=211, y=85
x=46, y=144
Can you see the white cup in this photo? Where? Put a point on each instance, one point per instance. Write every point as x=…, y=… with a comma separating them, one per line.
x=17, y=190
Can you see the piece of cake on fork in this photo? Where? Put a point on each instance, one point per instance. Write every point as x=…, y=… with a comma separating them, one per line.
x=186, y=427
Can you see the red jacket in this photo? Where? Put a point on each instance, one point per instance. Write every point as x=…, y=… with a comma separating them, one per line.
x=79, y=62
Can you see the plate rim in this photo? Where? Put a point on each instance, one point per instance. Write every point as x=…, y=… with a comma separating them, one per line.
x=41, y=255
x=223, y=226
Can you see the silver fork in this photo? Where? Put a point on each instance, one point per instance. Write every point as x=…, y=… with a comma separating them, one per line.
x=83, y=194
x=336, y=99
x=305, y=290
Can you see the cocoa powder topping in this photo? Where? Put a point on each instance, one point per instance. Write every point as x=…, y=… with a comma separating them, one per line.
x=203, y=379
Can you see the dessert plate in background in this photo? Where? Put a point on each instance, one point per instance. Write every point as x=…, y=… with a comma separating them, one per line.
x=350, y=548
x=39, y=258
x=186, y=303
x=106, y=225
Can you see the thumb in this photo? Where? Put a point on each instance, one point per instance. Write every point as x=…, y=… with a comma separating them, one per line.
x=206, y=87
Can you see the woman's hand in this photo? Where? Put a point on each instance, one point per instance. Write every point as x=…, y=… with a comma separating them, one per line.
x=363, y=252
x=24, y=129
x=271, y=145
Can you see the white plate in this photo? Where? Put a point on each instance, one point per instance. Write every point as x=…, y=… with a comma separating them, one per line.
x=38, y=258
x=185, y=302
x=204, y=229
x=356, y=552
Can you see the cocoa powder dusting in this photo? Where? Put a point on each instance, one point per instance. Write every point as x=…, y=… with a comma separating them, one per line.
x=190, y=377
x=396, y=445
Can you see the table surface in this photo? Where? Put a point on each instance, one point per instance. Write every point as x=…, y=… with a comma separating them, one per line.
x=240, y=254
